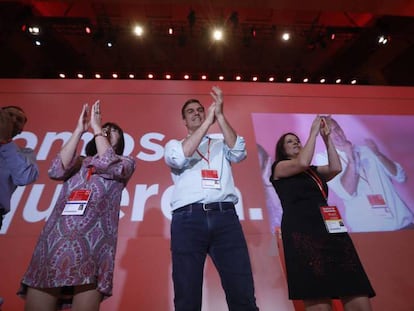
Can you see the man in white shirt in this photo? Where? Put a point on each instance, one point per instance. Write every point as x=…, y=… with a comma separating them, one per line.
x=366, y=186
x=204, y=219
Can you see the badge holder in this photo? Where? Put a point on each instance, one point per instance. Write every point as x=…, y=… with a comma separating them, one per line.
x=333, y=220
x=330, y=214
x=379, y=206
x=210, y=179
x=77, y=202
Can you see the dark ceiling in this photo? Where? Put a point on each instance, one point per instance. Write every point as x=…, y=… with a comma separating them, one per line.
x=252, y=44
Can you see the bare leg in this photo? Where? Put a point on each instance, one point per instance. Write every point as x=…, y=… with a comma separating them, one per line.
x=358, y=303
x=86, y=298
x=318, y=305
x=41, y=299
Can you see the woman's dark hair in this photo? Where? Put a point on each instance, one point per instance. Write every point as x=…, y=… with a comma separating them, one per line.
x=280, y=153
x=91, y=150
x=190, y=101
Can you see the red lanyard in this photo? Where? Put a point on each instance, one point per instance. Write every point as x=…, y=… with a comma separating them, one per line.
x=91, y=170
x=318, y=181
x=208, y=153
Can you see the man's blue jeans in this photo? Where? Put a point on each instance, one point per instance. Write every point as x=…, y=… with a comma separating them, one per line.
x=196, y=233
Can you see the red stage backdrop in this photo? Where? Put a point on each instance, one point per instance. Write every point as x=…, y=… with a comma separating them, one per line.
x=149, y=113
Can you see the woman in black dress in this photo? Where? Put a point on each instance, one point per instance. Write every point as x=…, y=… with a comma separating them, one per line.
x=320, y=265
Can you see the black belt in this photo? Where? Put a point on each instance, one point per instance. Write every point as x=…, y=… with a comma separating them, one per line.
x=215, y=206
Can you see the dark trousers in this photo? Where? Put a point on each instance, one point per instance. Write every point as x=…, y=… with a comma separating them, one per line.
x=196, y=233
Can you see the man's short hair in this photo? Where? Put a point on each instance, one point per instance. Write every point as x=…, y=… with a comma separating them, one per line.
x=190, y=101
x=18, y=108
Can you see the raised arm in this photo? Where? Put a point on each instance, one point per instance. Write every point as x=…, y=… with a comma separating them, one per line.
x=300, y=162
x=388, y=164
x=101, y=141
x=192, y=141
x=229, y=133
x=68, y=150
x=334, y=166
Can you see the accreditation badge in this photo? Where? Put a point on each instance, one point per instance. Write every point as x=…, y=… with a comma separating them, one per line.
x=77, y=202
x=376, y=200
x=210, y=179
x=379, y=206
x=333, y=220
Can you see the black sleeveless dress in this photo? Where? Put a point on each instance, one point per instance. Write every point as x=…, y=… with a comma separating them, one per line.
x=319, y=264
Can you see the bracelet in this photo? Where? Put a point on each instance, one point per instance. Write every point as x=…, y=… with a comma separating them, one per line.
x=99, y=134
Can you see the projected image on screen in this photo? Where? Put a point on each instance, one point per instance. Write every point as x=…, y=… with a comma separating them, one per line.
x=373, y=190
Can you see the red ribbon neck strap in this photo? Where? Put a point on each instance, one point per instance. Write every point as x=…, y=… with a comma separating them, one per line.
x=207, y=159
x=318, y=181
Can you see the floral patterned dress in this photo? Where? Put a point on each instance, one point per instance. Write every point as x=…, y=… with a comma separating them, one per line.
x=80, y=249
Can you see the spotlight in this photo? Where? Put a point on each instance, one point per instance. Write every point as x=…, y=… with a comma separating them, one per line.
x=186, y=77
x=253, y=32
x=34, y=30
x=203, y=77
x=271, y=79
x=286, y=36
x=217, y=34
x=305, y=80
x=322, y=80
x=150, y=76
x=168, y=76
x=98, y=76
x=255, y=78
x=238, y=78
x=170, y=31
x=62, y=75
x=115, y=75
x=138, y=30
x=331, y=33
x=131, y=76
x=337, y=81
x=80, y=75
x=221, y=78
x=383, y=39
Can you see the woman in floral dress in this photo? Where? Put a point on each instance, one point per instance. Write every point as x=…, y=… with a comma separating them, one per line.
x=73, y=261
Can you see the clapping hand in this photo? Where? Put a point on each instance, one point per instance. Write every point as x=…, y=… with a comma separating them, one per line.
x=217, y=95
x=96, y=117
x=325, y=128
x=92, y=118
x=83, y=121
x=210, y=116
